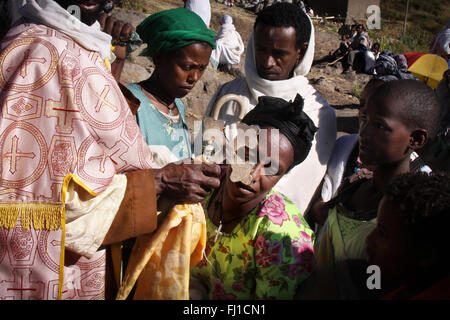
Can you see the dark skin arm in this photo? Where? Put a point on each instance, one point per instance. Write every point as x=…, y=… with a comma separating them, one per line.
x=316, y=212
x=185, y=183
x=118, y=29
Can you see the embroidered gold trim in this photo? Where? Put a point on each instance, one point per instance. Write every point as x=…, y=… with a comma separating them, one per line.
x=39, y=216
x=64, y=191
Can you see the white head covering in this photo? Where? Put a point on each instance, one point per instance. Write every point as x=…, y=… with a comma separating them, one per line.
x=226, y=19
x=228, y=31
x=280, y=88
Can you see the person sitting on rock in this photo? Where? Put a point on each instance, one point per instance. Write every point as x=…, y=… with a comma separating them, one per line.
x=370, y=56
x=229, y=45
x=359, y=44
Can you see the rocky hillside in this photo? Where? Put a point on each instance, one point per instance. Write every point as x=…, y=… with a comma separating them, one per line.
x=341, y=91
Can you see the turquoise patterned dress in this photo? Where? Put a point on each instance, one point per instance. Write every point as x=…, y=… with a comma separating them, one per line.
x=158, y=130
x=266, y=256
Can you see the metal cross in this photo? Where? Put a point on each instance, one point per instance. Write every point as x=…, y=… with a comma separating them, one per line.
x=218, y=232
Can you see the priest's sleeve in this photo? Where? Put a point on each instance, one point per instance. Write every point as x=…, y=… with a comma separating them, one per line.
x=137, y=214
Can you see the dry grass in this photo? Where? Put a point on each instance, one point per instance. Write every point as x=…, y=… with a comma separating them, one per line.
x=242, y=19
x=424, y=20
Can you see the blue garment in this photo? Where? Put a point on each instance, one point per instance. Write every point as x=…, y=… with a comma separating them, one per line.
x=158, y=130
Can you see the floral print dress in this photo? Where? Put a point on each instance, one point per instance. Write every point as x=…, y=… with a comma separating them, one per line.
x=266, y=256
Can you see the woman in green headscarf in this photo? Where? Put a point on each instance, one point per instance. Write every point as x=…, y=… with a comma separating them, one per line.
x=180, y=45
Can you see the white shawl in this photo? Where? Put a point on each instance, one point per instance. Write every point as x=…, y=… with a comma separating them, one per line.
x=336, y=165
x=285, y=89
x=52, y=15
x=301, y=182
x=229, y=44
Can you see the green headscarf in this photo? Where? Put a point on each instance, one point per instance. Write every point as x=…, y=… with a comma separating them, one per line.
x=172, y=29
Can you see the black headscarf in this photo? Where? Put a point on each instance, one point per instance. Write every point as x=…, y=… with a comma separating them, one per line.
x=289, y=119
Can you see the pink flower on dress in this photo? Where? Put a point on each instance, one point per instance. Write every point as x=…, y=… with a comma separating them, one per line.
x=219, y=292
x=273, y=207
x=297, y=221
x=267, y=253
x=305, y=236
x=303, y=252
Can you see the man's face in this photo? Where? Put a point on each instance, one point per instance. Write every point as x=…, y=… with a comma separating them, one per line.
x=276, y=51
x=90, y=9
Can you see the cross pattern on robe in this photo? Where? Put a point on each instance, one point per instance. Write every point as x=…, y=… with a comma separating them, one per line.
x=102, y=98
x=21, y=106
x=102, y=159
x=114, y=154
x=14, y=154
x=64, y=110
x=27, y=60
x=22, y=288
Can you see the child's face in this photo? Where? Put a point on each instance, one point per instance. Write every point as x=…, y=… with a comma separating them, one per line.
x=383, y=137
x=368, y=90
x=387, y=244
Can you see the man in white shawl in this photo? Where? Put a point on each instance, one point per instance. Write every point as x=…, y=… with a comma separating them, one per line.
x=229, y=45
x=279, y=55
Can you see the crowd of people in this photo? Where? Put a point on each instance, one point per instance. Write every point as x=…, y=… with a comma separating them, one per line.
x=357, y=53
x=103, y=196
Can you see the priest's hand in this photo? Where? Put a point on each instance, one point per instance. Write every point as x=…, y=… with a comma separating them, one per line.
x=186, y=183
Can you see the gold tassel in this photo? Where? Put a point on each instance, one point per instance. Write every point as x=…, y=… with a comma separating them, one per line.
x=39, y=216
